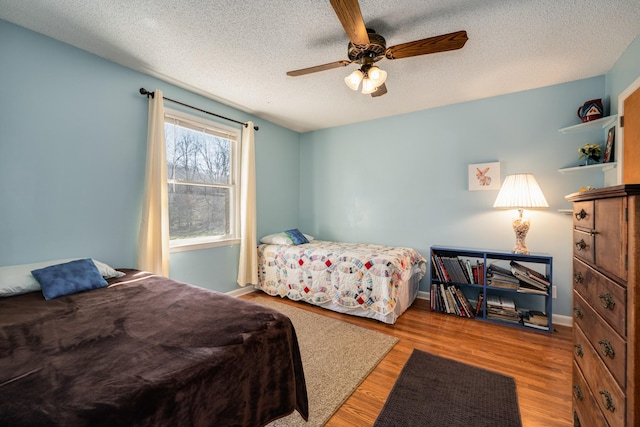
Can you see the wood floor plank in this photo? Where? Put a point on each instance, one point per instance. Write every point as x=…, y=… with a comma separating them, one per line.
x=540, y=363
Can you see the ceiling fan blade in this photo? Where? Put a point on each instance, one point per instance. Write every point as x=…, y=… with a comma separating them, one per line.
x=442, y=43
x=381, y=90
x=317, y=68
x=350, y=17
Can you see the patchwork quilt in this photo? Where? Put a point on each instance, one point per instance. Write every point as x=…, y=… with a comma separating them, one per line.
x=348, y=274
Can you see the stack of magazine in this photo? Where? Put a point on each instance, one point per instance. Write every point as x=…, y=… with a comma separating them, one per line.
x=537, y=320
x=502, y=308
x=500, y=277
x=530, y=280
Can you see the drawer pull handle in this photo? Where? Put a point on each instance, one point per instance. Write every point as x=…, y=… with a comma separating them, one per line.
x=578, y=278
x=607, y=349
x=577, y=349
x=581, y=215
x=577, y=392
x=577, y=312
x=607, y=301
x=607, y=400
x=581, y=245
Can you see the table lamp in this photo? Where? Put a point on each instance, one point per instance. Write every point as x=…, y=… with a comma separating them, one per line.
x=520, y=191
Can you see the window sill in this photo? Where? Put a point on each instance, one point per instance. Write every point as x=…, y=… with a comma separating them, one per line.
x=204, y=245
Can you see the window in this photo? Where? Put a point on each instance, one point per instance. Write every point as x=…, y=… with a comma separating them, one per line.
x=202, y=177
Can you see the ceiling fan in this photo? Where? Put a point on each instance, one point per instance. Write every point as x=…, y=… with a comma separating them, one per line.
x=366, y=47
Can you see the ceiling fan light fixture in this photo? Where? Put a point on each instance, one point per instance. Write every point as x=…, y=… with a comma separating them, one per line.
x=368, y=86
x=377, y=75
x=353, y=80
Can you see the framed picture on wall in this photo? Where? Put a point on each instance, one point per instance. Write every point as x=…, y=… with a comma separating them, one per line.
x=610, y=146
x=484, y=176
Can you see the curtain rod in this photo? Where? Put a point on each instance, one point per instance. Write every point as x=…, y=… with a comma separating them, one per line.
x=143, y=91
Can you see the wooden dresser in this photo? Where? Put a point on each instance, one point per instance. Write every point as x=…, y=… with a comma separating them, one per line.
x=606, y=279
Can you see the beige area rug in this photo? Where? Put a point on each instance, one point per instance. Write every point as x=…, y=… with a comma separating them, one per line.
x=337, y=357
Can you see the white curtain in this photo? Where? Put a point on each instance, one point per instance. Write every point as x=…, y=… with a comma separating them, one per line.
x=153, y=242
x=248, y=267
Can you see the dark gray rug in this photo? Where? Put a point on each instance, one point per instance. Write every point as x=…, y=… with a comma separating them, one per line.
x=439, y=392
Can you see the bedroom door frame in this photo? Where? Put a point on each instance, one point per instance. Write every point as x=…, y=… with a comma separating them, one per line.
x=620, y=143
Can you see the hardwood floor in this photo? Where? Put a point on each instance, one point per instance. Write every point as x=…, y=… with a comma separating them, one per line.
x=540, y=363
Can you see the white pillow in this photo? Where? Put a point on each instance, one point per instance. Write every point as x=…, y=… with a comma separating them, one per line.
x=281, y=239
x=17, y=279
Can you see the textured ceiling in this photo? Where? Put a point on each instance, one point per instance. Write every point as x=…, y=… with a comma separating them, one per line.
x=237, y=52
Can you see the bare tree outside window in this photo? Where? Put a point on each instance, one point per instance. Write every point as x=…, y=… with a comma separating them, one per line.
x=200, y=180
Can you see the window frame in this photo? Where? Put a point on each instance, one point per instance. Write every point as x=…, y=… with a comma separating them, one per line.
x=233, y=237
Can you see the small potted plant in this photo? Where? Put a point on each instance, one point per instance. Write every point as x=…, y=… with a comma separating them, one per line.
x=590, y=152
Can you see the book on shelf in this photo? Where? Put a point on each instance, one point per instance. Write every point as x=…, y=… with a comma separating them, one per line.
x=497, y=282
x=457, y=305
x=450, y=269
x=435, y=270
x=453, y=306
x=501, y=277
x=495, y=269
x=450, y=299
x=469, y=270
x=455, y=269
x=438, y=266
x=529, y=275
x=478, y=273
x=537, y=317
x=445, y=301
x=530, y=289
x=502, y=308
x=500, y=301
x=479, y=304
x=432, y=297
x=466, y=306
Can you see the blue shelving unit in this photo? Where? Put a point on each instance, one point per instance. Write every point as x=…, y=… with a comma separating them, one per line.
x=541, y=263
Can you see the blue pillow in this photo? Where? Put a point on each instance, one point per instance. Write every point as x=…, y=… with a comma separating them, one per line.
x=296, y=236
x=68, y=278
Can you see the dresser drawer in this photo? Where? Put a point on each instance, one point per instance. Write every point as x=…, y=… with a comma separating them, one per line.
x=583, y=401
x=606, y=391
x=611, y=236
x=607, y=298
x=583, y=215
x=611, y=348
x=583, y=246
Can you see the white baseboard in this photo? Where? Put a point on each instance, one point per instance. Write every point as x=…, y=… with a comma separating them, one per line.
x=557, y=319
x=241, y=291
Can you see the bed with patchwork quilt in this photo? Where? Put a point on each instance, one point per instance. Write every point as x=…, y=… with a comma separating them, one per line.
x=360, y=279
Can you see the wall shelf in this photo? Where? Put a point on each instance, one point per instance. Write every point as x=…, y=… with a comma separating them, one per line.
x=603, y=166
x=599, y=123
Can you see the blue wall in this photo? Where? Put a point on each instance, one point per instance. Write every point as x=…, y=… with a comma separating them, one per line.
x=403, y=180
x=72, y=148
x=72, y=153
x=624, y=73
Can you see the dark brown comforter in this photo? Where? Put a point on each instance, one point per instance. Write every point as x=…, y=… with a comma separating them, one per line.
x=146, y=351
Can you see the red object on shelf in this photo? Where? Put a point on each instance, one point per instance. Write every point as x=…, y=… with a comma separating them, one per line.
x=591, y=110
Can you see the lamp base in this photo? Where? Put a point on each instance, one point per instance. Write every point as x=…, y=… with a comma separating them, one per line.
x=521, y=228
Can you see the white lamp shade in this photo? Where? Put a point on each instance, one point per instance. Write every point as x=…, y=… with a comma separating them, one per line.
x=353, y=80
x=368, y=86
x=377, y=75
x=520, y=191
